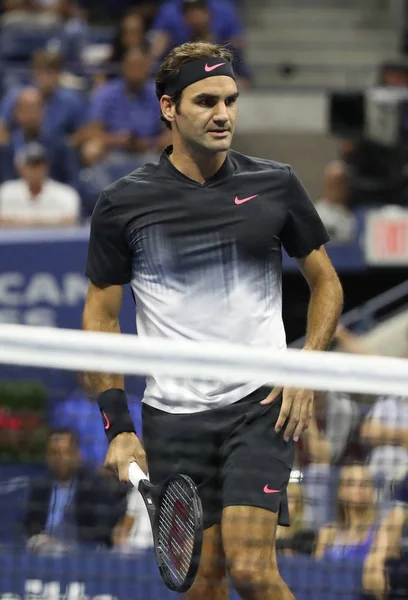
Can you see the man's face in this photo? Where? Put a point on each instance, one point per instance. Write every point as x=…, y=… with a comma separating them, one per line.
x=135, y=69
x=197, y=18
x=207, y=114
x=46, y=80
x=62, y=455
x=34, y=173
x=132, y=31
x=29, y=112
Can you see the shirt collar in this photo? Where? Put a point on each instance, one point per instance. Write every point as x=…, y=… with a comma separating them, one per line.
x=227, y=169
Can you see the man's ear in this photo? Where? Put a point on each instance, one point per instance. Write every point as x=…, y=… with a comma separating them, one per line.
x=168, y=108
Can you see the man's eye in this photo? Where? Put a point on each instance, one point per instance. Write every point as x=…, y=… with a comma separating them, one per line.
x=206, y=102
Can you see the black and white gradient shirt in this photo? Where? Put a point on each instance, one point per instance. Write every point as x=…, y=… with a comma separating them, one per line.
x=203, y=260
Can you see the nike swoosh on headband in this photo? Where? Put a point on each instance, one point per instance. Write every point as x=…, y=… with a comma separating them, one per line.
x=208, y=69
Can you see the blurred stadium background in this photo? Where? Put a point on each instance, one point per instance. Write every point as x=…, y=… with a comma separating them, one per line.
x=324, y=87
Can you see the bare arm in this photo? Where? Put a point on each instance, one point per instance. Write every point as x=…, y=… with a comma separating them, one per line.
x=374, y=433
x=326, y=299
x=349, y=342
x=385, y=545
x=318, y=446
x=101, y=313
x=64, y=222
x=325, y=306
x=122, y=530
x=160, y=43
x=325, y=538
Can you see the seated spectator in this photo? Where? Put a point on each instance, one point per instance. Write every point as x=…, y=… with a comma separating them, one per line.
x=131, y=34
x=353, y=532
x=35, y=200
x=331, y=439
x=296, y=539
x=180, y=21
x=28, y=126
x=64, y=109
x=134, y=532
x=385, y=431
x=81, y=415
x=125, y=130
x=71, y=504
x=386, y=545
x=30, y=13
x=333, y=208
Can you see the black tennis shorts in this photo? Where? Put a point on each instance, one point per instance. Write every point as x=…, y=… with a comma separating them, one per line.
x=232, y=454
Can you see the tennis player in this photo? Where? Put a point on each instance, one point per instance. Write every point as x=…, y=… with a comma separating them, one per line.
x=198, y=235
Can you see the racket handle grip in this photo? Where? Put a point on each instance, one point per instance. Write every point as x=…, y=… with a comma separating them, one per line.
x=136, y=474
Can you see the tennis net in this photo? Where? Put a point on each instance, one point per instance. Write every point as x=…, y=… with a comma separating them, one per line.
x=86, y=536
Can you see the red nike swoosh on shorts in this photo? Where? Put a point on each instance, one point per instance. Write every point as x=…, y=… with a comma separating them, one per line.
x=267, y=490
x=107, y=422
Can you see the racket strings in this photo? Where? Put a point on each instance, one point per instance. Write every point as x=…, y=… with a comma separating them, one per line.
x=176, y=530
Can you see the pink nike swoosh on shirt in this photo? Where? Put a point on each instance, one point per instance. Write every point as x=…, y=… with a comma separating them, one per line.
x=267, y=490
x=238, y=201
x=208, y=69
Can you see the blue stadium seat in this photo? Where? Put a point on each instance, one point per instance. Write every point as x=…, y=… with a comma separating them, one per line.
x=101, y=35
x=18, y=44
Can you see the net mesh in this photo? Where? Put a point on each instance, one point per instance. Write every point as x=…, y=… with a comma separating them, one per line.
x=176, y=531
x=88, y=537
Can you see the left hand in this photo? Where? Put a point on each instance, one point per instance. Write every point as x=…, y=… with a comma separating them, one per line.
x=297, y=404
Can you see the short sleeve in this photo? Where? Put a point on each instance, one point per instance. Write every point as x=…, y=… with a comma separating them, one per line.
x=7, y=107
x=109, y=255
x=165, y=18
x=380, y=411
x=232, y=26
x=99, y=107
x=72, y=206
x=303, y=230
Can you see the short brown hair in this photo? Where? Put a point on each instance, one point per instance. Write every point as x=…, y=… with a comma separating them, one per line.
x=47, y=59
x=169, y=70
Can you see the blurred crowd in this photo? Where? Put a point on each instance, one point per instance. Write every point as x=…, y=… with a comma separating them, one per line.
x=78, y=106
x=371, y=170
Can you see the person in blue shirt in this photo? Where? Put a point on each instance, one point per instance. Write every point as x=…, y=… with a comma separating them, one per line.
x=64, y=109
x=28, y=126
x=350, y=537
x=124, y=114
x=382, y=572
x=217, y=21
x=80, y=414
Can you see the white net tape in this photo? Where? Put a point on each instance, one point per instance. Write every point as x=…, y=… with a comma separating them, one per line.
x=130, y=355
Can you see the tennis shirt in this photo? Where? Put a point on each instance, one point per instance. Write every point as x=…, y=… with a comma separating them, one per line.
x=204, y=261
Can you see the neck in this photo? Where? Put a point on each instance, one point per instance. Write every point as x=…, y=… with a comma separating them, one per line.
x=359, y=517
x=31, y=134
x=195, y=165
x=134, y=89
x=35, y=188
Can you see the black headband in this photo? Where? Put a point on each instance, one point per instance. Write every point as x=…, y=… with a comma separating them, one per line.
x=199, y=69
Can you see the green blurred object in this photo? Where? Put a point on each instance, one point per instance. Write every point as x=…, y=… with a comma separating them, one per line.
x=23, y=421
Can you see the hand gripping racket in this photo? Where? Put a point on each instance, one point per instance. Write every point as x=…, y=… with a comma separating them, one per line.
x=176, y=517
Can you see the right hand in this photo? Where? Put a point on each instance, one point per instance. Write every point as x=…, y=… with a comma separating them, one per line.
x=124, y=449
x=374, y=576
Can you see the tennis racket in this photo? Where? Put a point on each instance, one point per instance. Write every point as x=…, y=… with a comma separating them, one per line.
x=176, y=517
